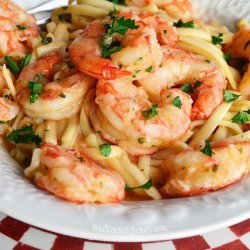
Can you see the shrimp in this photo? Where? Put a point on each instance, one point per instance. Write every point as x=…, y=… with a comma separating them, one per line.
x=74, y=177
x=8, y=109
x=58, y=99
x=177, y=9
x=240, y=48
x=16, y=29
x=192, y=172
x=140, y=47
x=180, y=66
x=128, y=109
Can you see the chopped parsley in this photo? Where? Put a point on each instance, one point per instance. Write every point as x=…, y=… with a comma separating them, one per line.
x=241, y=117
x=20, y=27
x=177, y=102
x=105, y=149
x=207, y=150
x=70, y=65
x=35, y=90
x=148, y=114
x=81, y=159
x=149, y=69
x=24, y=135
x=187, y=88
x=147, y=185
x=217, y=39
x=197, y=84
x=229, y=97
x=14, y=66
x=65, y=17
x=62, y=95
x=119, y=25
x=181, y=24
x=227, y=57
x=64, y=7
x=141, y=140
x=46, y=40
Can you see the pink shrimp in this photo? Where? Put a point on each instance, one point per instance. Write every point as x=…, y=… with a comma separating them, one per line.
x=8, y=109
x=74, y=177
x=58, y=99
x=192, y=172
x=16, y=29
x=138, y=45
x=180, y=66
x=128, y=110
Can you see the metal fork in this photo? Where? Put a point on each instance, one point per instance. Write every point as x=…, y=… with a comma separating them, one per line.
x=43, y=11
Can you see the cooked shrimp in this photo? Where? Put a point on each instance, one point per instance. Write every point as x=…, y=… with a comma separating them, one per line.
x=240, y=48
x=8, y=109
x=85, y=53
x=16, y=29
x=177, y=9
x=129, y=110
x=180, y=66
x=74, y=177
x=140, y=47
x=58, y=99
x=192, y=172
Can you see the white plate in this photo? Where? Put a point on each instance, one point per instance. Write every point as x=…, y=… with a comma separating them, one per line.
x=130, y=221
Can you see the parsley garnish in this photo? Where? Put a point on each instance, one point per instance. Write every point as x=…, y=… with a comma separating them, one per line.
x=141, y=140
x=229, y=97
x=24, y=135
x=207, y=150
x=62, y=95
x=149, y=69
x=241, y=117
x=197, y=84
x=13, y=65
x=65, y=17
x=148, y=114
x=105, y=149
x=177, y=102
x=118, y=25
x=227, y=57
x=35, y=90
x=147, y=185
x=181, y=24
x=64, y=7
x=217, y=39
x=187, y=88
x=24, y=27
x=70, y=65
x=46, y=40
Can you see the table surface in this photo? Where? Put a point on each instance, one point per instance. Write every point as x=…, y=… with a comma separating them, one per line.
x=16, y=235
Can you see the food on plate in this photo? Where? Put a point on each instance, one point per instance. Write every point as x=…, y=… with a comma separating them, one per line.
x=135, y=100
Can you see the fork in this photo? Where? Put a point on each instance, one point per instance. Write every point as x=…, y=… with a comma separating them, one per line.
x=43, y=11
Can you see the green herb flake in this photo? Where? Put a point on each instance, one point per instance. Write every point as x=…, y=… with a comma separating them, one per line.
x=217, y=39
x=181, y=24
x=46, y=40
x=241, y=117
x=207, y=150
x=24, y=135
x=20, y=27
x=197, y=84
x=187, y=88
x=105, y=149
x=215, y=168
x=65, y=17
x=141, y=140
x=81, y=159
x=62, y=95
x=65, y=7
x=227, y=57
x=149, y=114
x=147, y=185
x=165, y=31
x=12, y=65
x=35, y=90
x=25, y=61
x=149, y=69
x=229, y=97
x=207, y=61
x=70, y=65
x=177, y=102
